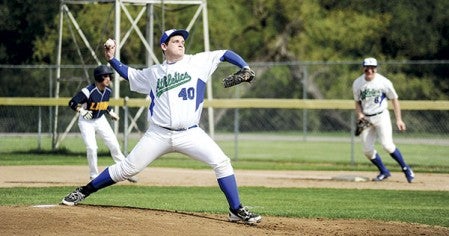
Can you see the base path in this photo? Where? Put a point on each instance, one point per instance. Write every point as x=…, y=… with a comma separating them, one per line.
x=36, y=176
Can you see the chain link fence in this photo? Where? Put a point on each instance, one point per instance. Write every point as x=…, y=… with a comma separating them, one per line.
x=280, y=81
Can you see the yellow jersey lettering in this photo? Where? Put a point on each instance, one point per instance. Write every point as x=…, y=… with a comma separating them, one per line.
x=99, y=106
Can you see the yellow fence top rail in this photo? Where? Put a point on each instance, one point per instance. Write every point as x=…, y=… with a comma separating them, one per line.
x=235, y=103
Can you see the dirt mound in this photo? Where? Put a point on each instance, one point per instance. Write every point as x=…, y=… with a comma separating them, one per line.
x=104, y=220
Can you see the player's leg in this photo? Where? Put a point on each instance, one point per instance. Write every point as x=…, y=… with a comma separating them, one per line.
x=199, y=146
x=408, y=172
x=87, y=129
x=107, y=134
x=384, y=173
x=368, y=140
x=386, y=139
x=101, y=181
x=105, y=131
x=153, y=144
x=150, y=146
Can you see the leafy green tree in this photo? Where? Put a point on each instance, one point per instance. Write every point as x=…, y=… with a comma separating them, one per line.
x=22, y=23
x=278, y=31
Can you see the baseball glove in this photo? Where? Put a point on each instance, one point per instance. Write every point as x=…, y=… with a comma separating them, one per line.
x=361, y=125
x=243, y=75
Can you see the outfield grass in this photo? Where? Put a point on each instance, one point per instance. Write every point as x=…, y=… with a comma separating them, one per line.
x=260, y=154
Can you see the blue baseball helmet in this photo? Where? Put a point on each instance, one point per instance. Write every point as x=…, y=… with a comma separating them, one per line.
x=102, y=70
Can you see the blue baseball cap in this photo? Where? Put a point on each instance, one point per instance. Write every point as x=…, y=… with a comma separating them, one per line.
x=172, y=32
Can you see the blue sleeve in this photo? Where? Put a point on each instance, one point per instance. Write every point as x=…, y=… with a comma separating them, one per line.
x=121, y=68
x=77, y=99
x=234, y=59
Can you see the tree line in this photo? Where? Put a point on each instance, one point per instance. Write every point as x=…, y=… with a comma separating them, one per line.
x=260, y=31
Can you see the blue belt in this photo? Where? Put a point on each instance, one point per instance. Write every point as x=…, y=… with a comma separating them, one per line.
x=182, y=129
x=375, y=114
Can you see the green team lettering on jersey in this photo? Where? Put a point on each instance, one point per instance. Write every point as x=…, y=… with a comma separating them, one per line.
x=369, y=93
x=171, y=81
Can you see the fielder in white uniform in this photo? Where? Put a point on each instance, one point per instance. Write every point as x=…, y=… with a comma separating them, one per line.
x=92, y=102
x=176, y=88
x=371, y=94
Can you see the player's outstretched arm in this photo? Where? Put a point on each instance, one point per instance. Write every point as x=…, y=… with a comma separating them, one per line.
x=234, y=58
x=121, y=68
x=109, y=52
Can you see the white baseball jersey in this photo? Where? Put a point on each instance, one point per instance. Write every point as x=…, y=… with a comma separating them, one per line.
x=373, y=97
x=373, y=94
x=168, y=84
x=177, y=95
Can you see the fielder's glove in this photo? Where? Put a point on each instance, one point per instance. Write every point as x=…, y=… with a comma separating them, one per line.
x=361, y=125
x=114, y=115
x=243, y=75
x=85, y=113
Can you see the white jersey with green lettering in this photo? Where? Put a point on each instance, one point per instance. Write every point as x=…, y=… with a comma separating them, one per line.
x=168, y=84
x=373, y=94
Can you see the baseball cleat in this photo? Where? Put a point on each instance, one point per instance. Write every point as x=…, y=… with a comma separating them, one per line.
x=74, y=197
x=382, y=176
x=133, y=179
x=409, y=174
x=243, y=214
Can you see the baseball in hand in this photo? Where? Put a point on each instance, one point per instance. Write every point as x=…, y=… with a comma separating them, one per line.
x=109, y=43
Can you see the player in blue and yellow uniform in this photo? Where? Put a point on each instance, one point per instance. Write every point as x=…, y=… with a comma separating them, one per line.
x=92, y=102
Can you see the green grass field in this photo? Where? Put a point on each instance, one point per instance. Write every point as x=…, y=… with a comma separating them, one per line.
x=259, y=154
x=426, y=207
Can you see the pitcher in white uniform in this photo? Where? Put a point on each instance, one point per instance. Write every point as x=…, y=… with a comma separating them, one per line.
x=371, y=94
x=176, y=88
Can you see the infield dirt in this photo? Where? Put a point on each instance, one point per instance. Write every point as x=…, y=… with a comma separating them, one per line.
x=55, y=219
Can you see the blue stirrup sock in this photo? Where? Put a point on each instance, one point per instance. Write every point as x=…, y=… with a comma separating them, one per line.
x=101, y=181
x=229, y=187
x=396, y=155
x=379, y=164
